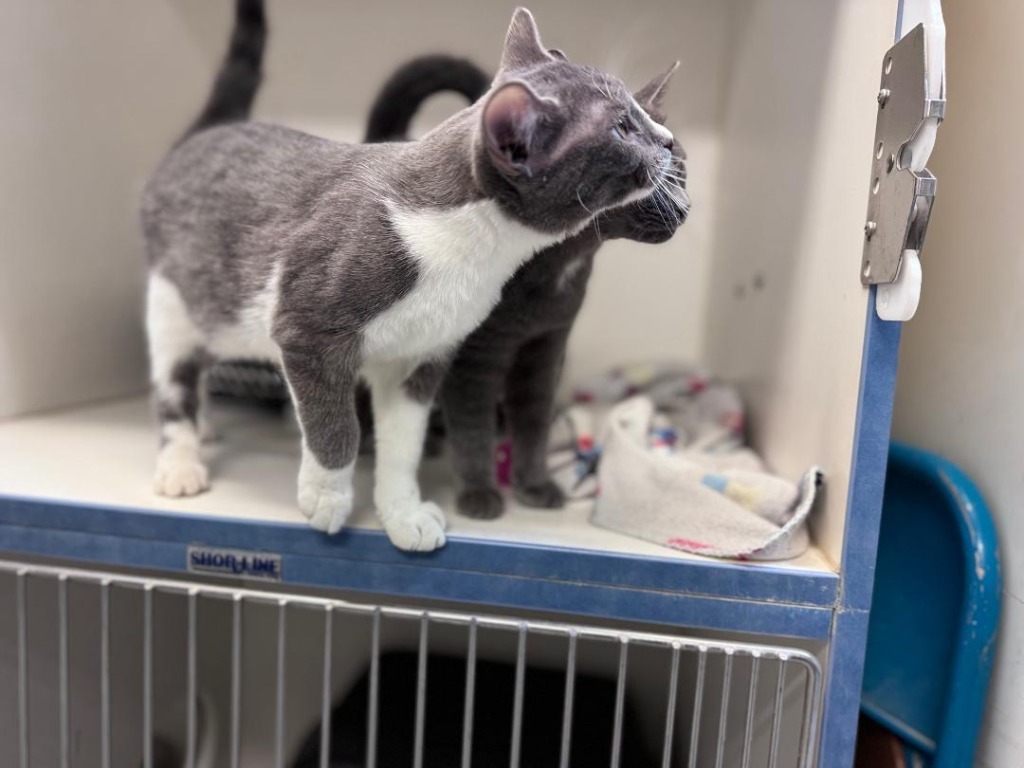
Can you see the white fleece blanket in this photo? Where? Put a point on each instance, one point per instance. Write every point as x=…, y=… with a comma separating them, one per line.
x=670, y=466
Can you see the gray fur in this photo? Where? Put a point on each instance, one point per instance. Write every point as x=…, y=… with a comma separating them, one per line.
x=233, y=202
x=424, y=382
x=234, y=206
x=239, y=77
x=186, y=377
x=515, y=356
x=323, y=382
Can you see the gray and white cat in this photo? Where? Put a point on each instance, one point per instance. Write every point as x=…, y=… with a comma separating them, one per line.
x=515, y=355
x=371, y=260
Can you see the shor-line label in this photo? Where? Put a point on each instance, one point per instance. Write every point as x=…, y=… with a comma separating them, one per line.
x=234, y=563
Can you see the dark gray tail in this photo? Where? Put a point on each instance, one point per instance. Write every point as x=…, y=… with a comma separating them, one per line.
x=414, y=83
x=239, y=77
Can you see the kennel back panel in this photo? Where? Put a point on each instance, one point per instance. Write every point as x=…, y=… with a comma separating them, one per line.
x=775, y=103
x=93, y=664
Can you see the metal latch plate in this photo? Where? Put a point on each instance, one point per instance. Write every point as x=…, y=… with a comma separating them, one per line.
x=900, y=199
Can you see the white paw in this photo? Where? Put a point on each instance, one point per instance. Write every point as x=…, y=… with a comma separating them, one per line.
x=179, y=476
x=326, y=508
x=325, y=495
x=419, y=529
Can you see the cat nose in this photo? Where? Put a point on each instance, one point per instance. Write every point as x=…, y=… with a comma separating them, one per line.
x=662, y=135
x=668, y=143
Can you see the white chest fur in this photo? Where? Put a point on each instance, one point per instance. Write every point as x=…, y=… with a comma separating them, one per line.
x=464, y=256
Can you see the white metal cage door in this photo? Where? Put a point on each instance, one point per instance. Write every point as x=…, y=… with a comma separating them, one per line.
x=93, y=666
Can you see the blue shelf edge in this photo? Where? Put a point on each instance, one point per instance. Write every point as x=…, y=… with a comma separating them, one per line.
x=760, y=599
x=848, y=642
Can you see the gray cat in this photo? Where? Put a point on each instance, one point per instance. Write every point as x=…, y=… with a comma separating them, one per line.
x=370, y=260
x=516, y=354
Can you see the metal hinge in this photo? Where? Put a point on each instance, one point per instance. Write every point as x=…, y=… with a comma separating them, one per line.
x=902, y=190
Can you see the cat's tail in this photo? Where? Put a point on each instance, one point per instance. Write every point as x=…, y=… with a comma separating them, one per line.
x=412, y=84
x=234, y=90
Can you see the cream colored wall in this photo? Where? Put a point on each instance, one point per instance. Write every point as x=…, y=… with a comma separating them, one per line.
x=93, y=93
x=90, y=95
x=961, y=380
x=785, y=307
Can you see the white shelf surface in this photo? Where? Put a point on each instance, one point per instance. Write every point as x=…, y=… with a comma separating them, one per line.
x=103, y=455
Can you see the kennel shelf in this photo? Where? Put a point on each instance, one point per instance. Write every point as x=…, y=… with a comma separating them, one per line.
x=76, y=484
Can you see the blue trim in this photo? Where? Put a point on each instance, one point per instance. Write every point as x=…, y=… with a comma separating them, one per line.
x=869, y=460
x=418, y=579
x=843, y=673
x=845, y=670
x=485, y=557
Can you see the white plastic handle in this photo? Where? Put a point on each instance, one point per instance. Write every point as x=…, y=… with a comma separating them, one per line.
x=898, y=301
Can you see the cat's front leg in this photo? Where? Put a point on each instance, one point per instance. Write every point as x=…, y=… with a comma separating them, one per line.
x=401, y=407
x=469, y=398
x=529, y=402
x=323, y=384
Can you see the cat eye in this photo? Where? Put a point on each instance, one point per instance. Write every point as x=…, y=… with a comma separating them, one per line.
x=625, y=127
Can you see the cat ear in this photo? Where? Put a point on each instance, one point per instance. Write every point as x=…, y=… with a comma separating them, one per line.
x=651, y=97
x=558, y=53
x=514, y=118
x=523, y=48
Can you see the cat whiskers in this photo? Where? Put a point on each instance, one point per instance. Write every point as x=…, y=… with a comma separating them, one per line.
x=680, y=180
x=672, y=174
x=669, y=199
x=674, y=187
x=656, y=197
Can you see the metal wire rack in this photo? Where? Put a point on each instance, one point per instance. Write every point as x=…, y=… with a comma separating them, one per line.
x=89, y=659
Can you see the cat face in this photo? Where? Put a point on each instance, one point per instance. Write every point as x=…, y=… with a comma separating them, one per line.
x=655, y=218
x=562, y=142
